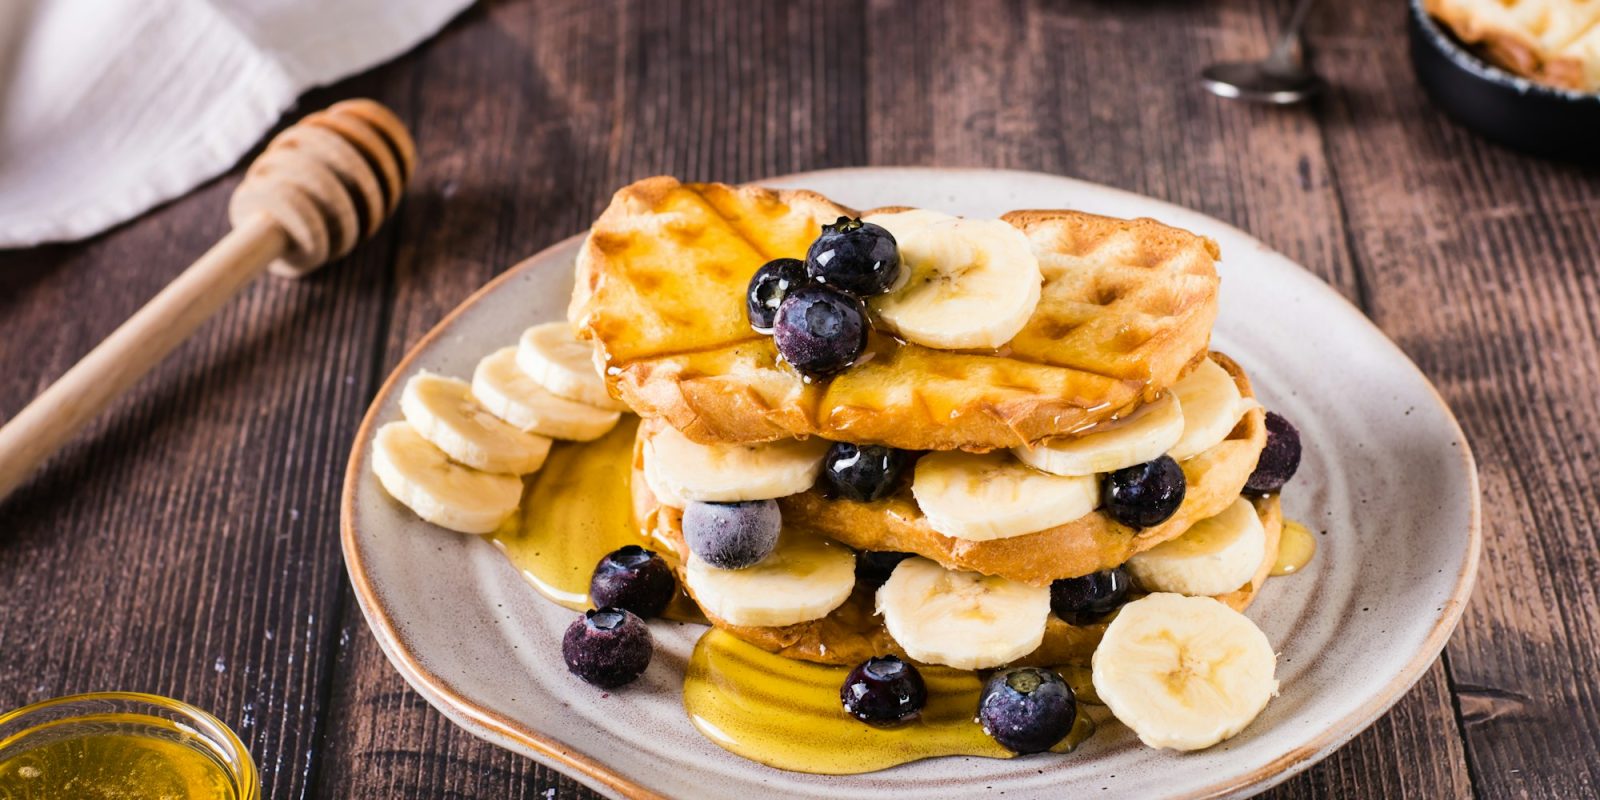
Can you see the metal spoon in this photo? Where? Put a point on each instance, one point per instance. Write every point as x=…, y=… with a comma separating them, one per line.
x=1282, y=78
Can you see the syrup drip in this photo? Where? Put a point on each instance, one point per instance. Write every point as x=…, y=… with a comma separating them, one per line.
x=1295, y=549
x=786, y=713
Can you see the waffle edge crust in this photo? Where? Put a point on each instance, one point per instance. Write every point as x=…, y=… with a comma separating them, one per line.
x=1126, y=310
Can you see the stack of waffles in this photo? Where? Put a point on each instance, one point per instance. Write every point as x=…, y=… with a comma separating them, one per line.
x=1003, y=455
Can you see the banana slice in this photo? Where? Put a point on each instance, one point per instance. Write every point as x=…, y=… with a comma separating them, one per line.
x=901, y=224
x=679, y=470
x=994, y=496
x=1145, y=436
x=508, y=393
x=663, y=490
x=1184, y=672
x=438, y=490
x=1215, y=556
x=972, y=283
x=559, y=362
x=444, y=412
x=1212, y=406
x=804, y=578
x=961, y=619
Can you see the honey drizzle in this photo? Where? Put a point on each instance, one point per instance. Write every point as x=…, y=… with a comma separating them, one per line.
x=786, y=713
x=1295, y=549
x=777, y=711
x=577, y=509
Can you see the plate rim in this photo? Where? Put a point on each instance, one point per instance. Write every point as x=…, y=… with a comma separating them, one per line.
x=441, y=694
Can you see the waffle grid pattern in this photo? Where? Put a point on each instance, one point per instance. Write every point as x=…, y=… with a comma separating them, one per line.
x=1126, y=309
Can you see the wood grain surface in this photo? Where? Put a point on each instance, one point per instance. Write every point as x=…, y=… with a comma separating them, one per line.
x=187, y=544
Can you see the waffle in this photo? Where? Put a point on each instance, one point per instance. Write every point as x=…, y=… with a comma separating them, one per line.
x=1126, y=309
x=852, y=633
x=1556, y=42
x=1095, y=542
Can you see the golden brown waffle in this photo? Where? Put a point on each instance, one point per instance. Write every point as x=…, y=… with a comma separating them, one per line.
x=1551, y=41
x=1095, y=542
x=1127, y=307
x=853, y=633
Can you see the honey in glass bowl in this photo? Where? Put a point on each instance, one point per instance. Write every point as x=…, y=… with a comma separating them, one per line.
x=121, y=746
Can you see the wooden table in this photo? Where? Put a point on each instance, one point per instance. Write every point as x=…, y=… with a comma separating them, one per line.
x=188, y=545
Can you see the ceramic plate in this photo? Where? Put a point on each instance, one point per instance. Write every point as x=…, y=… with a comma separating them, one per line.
x=1387, y=481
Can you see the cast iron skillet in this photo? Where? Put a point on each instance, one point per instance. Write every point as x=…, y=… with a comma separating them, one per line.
x=1514, y=111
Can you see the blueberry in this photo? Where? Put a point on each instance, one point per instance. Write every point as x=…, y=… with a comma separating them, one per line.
x=1080, y=600
x=1280, y=458
x=635, y=579
x=873, y=567
x=1027, y=710
x=858, y=257
x=732, y=535
x=607, y=647
x=865, y=472
x=821, y=331
x=883, y=691
x=769, y=286
x=1145, y=494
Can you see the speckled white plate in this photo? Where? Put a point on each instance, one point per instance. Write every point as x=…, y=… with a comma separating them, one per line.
x=1387, y=476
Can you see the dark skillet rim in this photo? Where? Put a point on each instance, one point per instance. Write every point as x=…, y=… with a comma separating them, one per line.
x=1469, y=62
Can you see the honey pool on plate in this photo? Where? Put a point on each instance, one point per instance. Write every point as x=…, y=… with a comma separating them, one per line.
x=770, y=709
x=786, y=713
x=575, y=510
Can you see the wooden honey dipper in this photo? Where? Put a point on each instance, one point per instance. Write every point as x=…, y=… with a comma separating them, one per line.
x=318, y=188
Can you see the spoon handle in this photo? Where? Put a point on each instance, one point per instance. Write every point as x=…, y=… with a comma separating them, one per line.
x=1287, y=53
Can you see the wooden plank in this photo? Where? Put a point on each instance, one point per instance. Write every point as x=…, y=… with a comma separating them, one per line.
x=511, y=113
x=1107, y=92
x=184, y=545
x=1482, y=267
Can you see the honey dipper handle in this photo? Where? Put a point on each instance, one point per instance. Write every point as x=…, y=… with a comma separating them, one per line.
x=114, y=365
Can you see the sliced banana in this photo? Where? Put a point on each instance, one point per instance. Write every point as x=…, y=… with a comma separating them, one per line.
x=508, y=393
x=445, y=413
x=994, y=496
x=961, y=619
x=438, y=490
x=1212, y=406
x=554, y=357
x=1145, y=436
x=804, y=578
x=663, y=490
x=902, y=224
x=1215, y=556
x=972, y=283
x=1184, y=672
x=679, y=470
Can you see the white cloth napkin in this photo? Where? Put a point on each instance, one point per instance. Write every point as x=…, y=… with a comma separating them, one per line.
x=109, y=107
